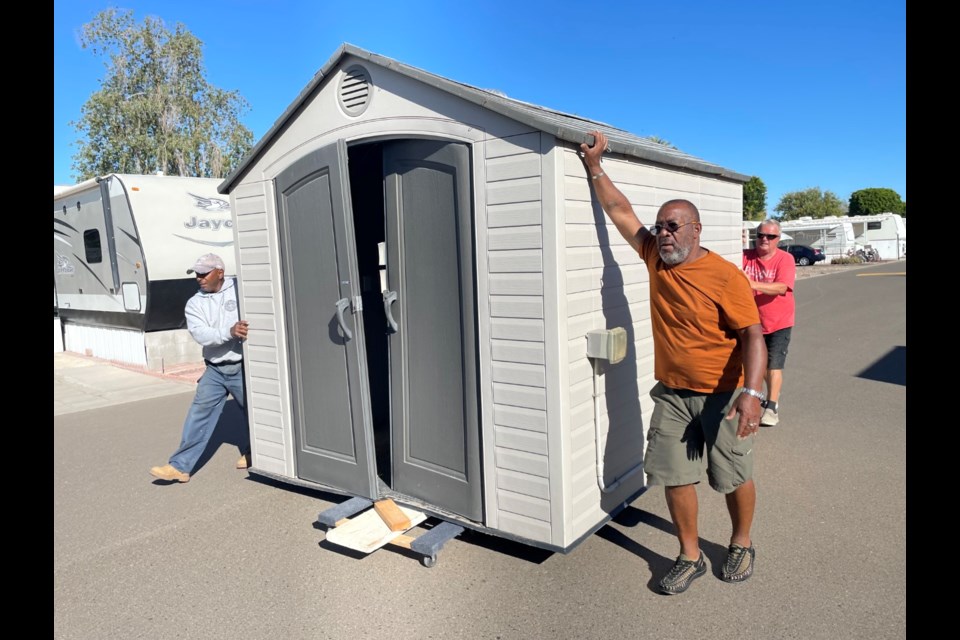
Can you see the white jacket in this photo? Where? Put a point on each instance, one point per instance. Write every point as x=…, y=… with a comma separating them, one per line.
x=210, y=316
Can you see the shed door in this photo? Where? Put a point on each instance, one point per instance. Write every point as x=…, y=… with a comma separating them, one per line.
x=433, y=378
x=328, y=375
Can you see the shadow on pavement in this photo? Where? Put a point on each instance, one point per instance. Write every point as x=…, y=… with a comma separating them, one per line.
x=890, y=368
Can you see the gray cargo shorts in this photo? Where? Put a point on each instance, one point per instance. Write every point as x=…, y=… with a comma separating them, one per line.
x=684, y=425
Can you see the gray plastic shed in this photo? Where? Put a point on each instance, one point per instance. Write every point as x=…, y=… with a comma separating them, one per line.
x=421, y=263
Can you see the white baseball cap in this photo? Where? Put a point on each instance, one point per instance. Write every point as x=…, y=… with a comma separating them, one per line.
x=206, y=263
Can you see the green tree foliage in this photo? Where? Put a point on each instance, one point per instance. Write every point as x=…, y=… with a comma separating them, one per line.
x=155, y=110
x=810, y=202
x=754, y=199
x=869, y=201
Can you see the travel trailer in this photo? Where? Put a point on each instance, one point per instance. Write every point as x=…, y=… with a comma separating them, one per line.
x=885, y=233
x=121, y=246
x=834, y=236
x=440, y=312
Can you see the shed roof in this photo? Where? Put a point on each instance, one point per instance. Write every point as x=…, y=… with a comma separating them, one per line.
x=564, y=126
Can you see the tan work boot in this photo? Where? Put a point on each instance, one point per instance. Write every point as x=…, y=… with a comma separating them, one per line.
x=169, y=472
x=244, y=461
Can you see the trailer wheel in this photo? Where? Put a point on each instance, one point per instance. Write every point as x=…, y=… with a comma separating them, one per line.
x=428, y=561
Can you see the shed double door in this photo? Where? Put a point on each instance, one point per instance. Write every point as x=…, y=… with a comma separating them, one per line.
x=428, y=309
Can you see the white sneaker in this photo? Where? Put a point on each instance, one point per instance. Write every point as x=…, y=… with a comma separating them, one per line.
x=769, y=418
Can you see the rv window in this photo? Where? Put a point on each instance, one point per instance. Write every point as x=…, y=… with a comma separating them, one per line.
x=873, y=226
x=91, y=243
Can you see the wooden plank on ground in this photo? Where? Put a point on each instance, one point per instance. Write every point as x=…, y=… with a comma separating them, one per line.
x=368, y=532
x=391, y=514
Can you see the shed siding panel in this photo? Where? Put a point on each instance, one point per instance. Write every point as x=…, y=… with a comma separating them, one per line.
x=517, y=328
x=521, y=418
x=518, y=396
x=520, y=261
x=515, y=351
x=255, y=289
x=516, y=307
x=524, y=483
x=527, y=506
x=522, y=374
x=516, y=284
x=513, y=238
x=521, y=440
x=260, y=305
x=252, y=239
x=519, y=214
x=262, y=339
x=522, y=461
x=607, y=286
x=260, y=354
x=513, y=145
x=508, y=191
x=523, y=526
x=505, y=168
x=267, y=402
x=251, y=222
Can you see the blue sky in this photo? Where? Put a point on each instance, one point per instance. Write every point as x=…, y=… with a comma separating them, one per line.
x=803, y=94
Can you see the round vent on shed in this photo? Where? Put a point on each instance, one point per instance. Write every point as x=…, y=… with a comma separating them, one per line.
x=354, y=91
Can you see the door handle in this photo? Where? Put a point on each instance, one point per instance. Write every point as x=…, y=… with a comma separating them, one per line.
x=389, y=297
x=342, y=305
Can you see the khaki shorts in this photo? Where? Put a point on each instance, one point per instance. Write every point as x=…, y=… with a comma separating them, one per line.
x=683, y=424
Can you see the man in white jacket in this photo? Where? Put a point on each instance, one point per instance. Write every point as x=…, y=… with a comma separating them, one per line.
x=213, y=319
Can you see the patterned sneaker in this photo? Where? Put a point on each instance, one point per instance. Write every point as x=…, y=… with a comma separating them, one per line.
x=769, y=418
x=739, y=564
x=682, y=574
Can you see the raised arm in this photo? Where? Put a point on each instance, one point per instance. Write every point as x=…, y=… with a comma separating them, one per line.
x=611, y=199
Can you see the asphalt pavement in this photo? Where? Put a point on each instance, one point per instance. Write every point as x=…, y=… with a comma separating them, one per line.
x=231, y=554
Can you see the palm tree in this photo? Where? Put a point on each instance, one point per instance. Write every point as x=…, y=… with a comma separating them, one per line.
x=659, y=140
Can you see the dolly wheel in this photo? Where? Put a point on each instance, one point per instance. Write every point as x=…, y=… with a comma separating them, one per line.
x=428, y=561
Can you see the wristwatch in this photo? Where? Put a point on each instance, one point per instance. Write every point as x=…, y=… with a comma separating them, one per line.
x=752, y=392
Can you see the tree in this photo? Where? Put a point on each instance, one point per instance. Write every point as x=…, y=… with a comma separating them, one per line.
x=869, y=201
x=810, y=202
x=754, y=199
x=155, y=110
x=661, y=141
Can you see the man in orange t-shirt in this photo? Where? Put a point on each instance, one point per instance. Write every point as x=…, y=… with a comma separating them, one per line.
x=709, y=361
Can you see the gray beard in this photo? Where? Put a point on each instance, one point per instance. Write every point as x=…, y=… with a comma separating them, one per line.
x=678, y=255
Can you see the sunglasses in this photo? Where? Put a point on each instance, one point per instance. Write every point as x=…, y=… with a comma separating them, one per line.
x=671, y=226
x=768, y=236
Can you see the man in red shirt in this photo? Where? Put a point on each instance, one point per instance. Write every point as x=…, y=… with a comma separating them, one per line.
x=772, y=273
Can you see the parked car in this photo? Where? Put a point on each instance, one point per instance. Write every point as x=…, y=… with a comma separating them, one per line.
x=804, y=255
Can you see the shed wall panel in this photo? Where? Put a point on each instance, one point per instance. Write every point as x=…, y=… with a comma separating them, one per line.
x=524, y=483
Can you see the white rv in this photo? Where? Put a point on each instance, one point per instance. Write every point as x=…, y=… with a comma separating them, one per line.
x=121, y=247
x=886, y=233
x=833, y=235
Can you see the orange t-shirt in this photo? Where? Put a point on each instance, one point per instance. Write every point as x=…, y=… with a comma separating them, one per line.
x=695, y=311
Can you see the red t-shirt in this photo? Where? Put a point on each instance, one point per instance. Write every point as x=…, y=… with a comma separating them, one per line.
x=696, y=310
x=776, y=312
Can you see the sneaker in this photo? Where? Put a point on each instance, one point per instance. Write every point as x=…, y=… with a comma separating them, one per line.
x=244, y=461
x=769, y=418
x=682, y=574
x=170, y=473
x=739, y=564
